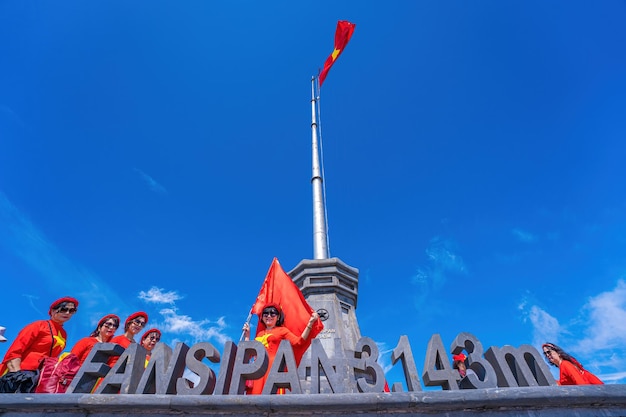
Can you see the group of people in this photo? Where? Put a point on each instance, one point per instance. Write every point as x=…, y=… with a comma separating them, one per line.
x=47, y=338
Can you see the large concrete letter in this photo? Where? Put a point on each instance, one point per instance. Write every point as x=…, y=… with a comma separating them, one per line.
x=163, y=370
x=319, y=360
x=437, y=369
x=483, y=375
x=403, y=352
x=94, y=367
x=244, y=369
x=225, y=375
x=284, y=372
x=366, y=352
x=521, y=367
x=126, y=373
x=193, y=359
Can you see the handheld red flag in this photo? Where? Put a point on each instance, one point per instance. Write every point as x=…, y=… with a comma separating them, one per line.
x=279, y=289
x=342, y=36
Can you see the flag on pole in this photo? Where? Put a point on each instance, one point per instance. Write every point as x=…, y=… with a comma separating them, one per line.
x=278, y=288
x=342, y=36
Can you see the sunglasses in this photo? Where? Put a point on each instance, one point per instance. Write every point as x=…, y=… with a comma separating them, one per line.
x=547, y=352
x=271, y=313
x=110, y=325
x=157, y=338
x=139, y=323
x=70, y=310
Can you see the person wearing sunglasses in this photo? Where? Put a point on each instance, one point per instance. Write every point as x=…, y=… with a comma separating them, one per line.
x=132, y=326
x=36, y=341
x=103, y=333
x=571, y=372
x=271, y=332
x=149, y=340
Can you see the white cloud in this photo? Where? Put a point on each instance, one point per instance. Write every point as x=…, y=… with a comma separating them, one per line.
x=152, y=184
x=546, y=328
x=443, y=261
x=601, y=321
x=524, y=236
x=158, y=296
x=607, y=320
x=198, y=330
x=180, y=327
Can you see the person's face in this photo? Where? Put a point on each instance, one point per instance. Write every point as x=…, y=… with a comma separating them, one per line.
x=270, y=317
x=136, y=325
x=64, y=313
x=107, y=330
x=462, y=369
x=150, y=341
x=552, y=356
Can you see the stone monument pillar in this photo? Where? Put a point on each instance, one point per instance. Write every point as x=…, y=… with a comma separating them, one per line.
x=331, y=288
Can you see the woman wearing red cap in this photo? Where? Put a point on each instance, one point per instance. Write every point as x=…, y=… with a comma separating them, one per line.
x=571, y=372
x=104, y=332
x=149, y=340
x=271, y=332
x=41, y=339
x=133, y=325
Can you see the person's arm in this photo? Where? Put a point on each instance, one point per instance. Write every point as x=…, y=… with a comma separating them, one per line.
x=307, y=330
x=25, y=338
x=246, y=331
x=14, y=365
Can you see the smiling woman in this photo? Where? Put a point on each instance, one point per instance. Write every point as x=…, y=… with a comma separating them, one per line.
x=103, y=333
x=571, y=372
x=38, y=340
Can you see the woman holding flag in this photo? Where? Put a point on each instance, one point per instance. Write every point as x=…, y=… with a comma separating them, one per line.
x=271, y=332
x=283, y=314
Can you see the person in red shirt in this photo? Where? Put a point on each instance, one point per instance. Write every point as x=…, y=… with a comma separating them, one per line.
x=43, y=338
x=132, y=326
x=271, y=333
x=103, y=333
x=149, y=340
x=571, y=372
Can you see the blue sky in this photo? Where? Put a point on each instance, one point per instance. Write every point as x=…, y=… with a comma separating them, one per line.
x=156, y=156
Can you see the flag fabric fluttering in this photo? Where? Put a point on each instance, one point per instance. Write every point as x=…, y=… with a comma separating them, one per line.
x=342, y=36
x=278, y=288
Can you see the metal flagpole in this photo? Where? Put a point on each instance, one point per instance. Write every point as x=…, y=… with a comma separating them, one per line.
x=320, y=237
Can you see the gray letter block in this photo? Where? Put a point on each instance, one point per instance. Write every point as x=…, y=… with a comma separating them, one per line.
x=244, y=369
x=163, y=370
x=193, y=359
x=403, y=352
x=437, y=369
x=483, y=375
x=521, y=367
x=94, y=367
x=225, y=375
x=284, y=372
x=366, y=353
x=126, y=373
x=330, y=368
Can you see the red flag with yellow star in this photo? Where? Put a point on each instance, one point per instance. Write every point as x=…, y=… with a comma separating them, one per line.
x=342, y=36
x=279, y=289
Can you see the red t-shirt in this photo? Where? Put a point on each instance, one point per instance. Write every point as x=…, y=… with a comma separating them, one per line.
x=35, y=342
